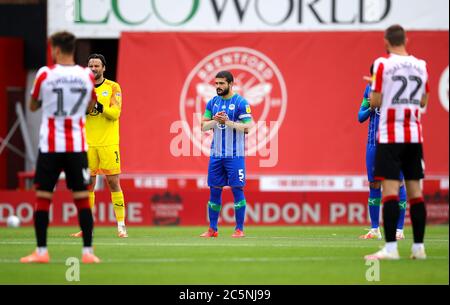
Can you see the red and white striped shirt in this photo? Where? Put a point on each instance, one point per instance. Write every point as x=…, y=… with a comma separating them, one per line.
x=65, y=92
x=402, y=81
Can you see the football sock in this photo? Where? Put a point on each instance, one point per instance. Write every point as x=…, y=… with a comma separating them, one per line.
x=402, y=204
x=87, y=250
x=87, y=225
x=391, y=212
x=41, y=221
x=213, y=213
x=40, y=227
x=239, y=212
x=214, y=206
x=215, y=195
x=239, y=207
x=85, y=220
x=41, y=250
x=416, y=246
x=418, y=214
x=374, y=207
x=92, y=200
x=119, y=207
x=391, y=246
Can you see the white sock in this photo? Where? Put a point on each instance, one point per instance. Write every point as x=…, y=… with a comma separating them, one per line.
x=400, y=230
x=415, y=247
x=391, y=246
x=120, y=224
x=41, y=250
x=88, y=250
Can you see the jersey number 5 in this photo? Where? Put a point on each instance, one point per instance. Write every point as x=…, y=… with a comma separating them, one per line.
x=241, y=175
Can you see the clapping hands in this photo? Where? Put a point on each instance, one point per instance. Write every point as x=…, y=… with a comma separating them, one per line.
x=221, y=117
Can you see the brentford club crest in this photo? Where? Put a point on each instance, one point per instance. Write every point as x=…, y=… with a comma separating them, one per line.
x=256, y=78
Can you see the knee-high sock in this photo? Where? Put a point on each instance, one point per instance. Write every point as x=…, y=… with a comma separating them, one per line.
x=239, y=207
x=85, y=220
x=92, y=199
x=374, y=207
x=391, y=212
x=119, y=207
x=214, y=205
x=402, y=204
x=418, y=215
x=41, y=221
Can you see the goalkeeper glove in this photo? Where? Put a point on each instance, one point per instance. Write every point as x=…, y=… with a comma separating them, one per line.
x=98, y=107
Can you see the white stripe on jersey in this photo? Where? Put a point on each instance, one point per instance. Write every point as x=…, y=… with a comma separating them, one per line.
x=43, y=137
x=400, y=130
x=229, y=142
x=240, y=138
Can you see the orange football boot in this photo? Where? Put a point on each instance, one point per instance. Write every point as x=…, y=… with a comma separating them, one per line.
x=238, y=233
x=210, y=233
x=36, y=258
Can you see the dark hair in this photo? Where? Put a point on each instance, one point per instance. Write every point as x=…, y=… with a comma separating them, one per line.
x=65, y=41
x=227, y=75
x=371, y=69
x=396, y=35
x=98, y=56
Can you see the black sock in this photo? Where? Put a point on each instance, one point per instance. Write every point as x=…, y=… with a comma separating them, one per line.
x=391, y=213
x=418, y=214
x=86, y=224
x=40, y=227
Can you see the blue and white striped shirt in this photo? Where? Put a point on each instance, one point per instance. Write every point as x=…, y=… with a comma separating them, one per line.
x=228, y=142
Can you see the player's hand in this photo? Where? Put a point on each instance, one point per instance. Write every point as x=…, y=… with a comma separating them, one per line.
x=99, y=107
x=367, y=79
x=221, y=117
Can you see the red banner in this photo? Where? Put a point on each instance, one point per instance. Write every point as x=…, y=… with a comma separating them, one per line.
x=161, y=207
x=310, y=84
x=12, y=74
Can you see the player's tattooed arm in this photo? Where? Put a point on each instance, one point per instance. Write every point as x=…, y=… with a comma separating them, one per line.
x=208, y=124
x=35, y=104
x=243, y=127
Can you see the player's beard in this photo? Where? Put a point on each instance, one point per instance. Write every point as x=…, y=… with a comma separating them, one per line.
x=97, y=75
x=223, y=92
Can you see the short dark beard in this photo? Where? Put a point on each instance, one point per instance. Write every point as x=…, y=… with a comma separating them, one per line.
x=224, y=92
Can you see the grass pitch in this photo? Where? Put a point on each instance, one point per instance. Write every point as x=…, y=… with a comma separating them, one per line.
x=268, y=255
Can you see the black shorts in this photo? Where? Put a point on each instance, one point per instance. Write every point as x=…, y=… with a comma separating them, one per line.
x=50, y=165
x=392, y=158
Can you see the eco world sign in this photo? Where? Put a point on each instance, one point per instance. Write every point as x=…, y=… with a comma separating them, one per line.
x=108, y=18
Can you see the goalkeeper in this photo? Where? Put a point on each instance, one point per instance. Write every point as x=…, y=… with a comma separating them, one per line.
x=102, y=133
